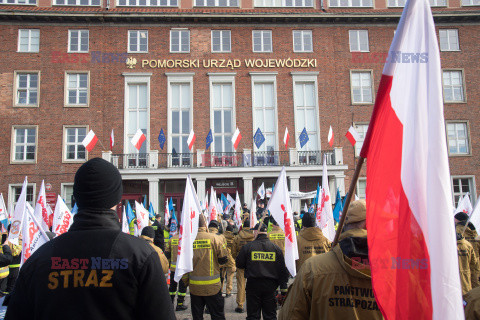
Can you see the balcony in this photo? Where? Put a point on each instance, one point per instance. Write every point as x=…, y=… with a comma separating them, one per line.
x=202, y=159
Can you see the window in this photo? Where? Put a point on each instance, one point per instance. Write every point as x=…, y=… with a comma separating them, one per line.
x=148, y=3
x=361, y=82
x=27, y=89
x=137, y=114
x=396, y=3
x=28, y=40
x=362, y=132
x=462, y=186
x=283, y=3
x=449, y=40
x=73, y=147
x=179, y=41
x=453, y=86
x=222, y=111
x=216, y=3
x=302, y=41
x=221, y=41
x=265, y=109
x=458, y=138
x=78, y=40
x=77, y=2
x=262, y=41
x=362, y=188
x=77, y=89
x=18, y=1
x=470, y=2
x=24, y=147
x=137, y=41
x=358, y=40
x=67, y=194
x=438, y=3
x=14, y=194
x=351, y=3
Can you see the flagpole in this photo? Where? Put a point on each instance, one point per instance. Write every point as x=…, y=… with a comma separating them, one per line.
x=349, y=198
x=103, y=147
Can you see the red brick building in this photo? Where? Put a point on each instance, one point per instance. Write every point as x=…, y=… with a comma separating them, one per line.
x=70, y=66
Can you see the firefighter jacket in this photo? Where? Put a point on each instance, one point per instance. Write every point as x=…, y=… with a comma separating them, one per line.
x=208, y=254
x=171, y=251
x=159, y=234
x=468, y=265
x=262, y=259
x=331, y=286
x=471, y=302
x=229, y=236
x=471, y=236
x=5, y=260
x=277, y=236
x=311, y=242
x=161, y=255
x=243, y=237
x=93, y=271
x=231, y=262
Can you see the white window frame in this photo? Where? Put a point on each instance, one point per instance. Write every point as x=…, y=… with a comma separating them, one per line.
x=77, y=3
x=305, y=77
x=448, y=33
x=221, y=41
x=63, y=190
x=281, y=4
x=222, y=78
x=79, y=105
x=30, y=31
x=359, y=144
x=464, y=92
x=395, y=3
x=472, y=187
x=13, y=144
x=467, y=131
x=149, y=3
x=359, y=33
x=180, y=40
x=138, y=44
x=302, y=34
x=350, y=4
x=262, y=33
x=361, y=180
x=230, y=4
x=353, y=71
x=265, y=77
x=65, y=143
x=19, y=2
x=11, y=195
x=470, y=4
x=79, y=41
x=434, y=3
x=16, y=88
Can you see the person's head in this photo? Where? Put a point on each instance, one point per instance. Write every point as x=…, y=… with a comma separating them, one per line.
x=246, y=223
x=214, y=224
x=260, y=229
x=148, y=232
x=245, y=206
x=158, y=217
x=202, y=223
x=308, y=220
x=230, y=228
x=356, y=216
x=97, y=185
x=261, y=204
x=460, y=217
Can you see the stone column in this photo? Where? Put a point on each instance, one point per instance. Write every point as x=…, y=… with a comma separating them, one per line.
x=201, y=189
x=295, y=187
x=153, y=192
x=247, y=190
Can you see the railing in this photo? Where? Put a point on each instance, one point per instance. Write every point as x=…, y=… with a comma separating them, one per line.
x=271, y=158
x=315, y=157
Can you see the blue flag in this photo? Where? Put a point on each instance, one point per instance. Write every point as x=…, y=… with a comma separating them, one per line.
x=338, y=206
x=258, y=138
x=129, y=212
x=315, y=200
x=209, y=139
x=151, y=211
x=344, y=200
x=170, y=206
x=145, y=201
x=74, y=209
x=161, y=139
x=303, y=138
x=173, y=225
x=224, y=201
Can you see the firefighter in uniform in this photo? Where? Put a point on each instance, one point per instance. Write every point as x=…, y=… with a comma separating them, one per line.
x=277, y=236
x=171, y=252
x=148, y=234
x=467, y=263
x=243, y=237
x=265, y=269
x=205, y=286
x=471, y=303
x=14, y=267
x=323, y=287
x=230, y=272
x=469, y=232
x=310, y=241
x=5, y=260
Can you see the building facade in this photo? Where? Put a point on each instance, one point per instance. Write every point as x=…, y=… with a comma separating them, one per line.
x=71, y=66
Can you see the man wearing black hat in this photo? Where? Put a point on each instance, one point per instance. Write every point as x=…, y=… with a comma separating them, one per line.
x=265, y=269
x=93, y=271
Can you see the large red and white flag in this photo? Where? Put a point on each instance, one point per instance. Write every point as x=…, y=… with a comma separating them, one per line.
x=90, y=141
x=324, y=207
x=281, y=210
x=18, y=214
x=41, y=211
x=33, y=235
x=237, y=214
x=112, y=140
x=464, y=205
x=286, y=138
x=253, y=213
x=138, y=139
x=411, y=235
x=352, y=135
x=236, y=139
x=212, y=209
x=191, y=139
x=62, y=217
x=142, y=216
x=330, y=136
x=191, y=212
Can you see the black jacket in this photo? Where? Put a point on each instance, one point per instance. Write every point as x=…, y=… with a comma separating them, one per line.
x=159, y=239
x=94, y=271
x=262, y=259
x=6, y=257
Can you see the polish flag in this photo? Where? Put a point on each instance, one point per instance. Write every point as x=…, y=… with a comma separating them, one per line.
x=212, y=209
x=90, y=141
x=236, y=138
x=409, y=198
x=191, y=139
x=138, y=139
x=253, y=213
x=112, y=140
x=281, y=210
x=142, y=217
x=352, y=135
x=286, y=138
x=330, y=136
x=62, y=217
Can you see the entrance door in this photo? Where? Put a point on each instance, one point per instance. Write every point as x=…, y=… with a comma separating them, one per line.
x=130, y=197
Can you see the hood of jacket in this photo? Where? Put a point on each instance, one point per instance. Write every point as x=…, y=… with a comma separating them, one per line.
x=91, y=219
x=311, y=233
x=246, y=234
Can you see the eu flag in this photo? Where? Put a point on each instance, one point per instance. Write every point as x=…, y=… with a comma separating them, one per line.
x=258, y=138
x=161, y=139
x=303, y=138
x=209, y=139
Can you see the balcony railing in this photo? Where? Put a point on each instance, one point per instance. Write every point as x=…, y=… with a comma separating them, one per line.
x=202, y=159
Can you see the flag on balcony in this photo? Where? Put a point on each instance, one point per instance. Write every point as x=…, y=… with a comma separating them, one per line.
x=286, y=138
x=303, y=137
x=209, y=139
x=191, y=139
x=352, y=135
x=138, y=139
x=258, y=138
x=236, y=139
x=161, y=138
x=330, y=136
x=112, y=140
x=90, y=140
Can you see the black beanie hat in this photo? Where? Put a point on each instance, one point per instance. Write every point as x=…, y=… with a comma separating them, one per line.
x=308, y=220
x=461, y=216
x=246, y=223
x=98, y=185
x=149, y=232
x=214, y=224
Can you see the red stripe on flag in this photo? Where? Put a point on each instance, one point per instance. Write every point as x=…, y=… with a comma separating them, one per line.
x=350, y=138
x=92, y=143
x=237, y=141
x=398, y=251
x=140, y=141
